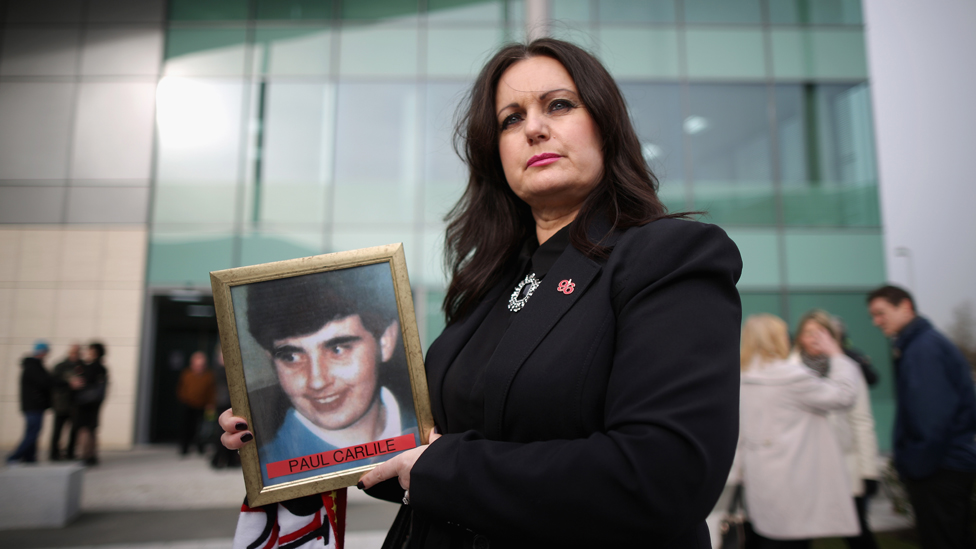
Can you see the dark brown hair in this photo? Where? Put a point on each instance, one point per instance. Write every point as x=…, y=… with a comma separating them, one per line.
x=893, y=295
x=488, y=224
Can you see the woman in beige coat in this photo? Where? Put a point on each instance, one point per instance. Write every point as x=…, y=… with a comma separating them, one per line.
x=854, y=427
x=789, y=460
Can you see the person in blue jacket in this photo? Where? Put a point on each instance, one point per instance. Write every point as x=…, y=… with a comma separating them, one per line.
x=935, y=421
x=333, y=340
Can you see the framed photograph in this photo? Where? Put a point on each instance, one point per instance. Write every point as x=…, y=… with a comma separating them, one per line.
x=324, y=361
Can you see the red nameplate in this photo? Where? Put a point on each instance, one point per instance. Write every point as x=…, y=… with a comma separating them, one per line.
x=342, y=455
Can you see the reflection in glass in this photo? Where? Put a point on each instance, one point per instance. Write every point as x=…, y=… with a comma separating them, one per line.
x=827, y=155
x=656, y=113
x=728, y=133
x=376, y=159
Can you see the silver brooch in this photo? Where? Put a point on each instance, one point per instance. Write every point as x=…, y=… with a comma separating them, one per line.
x=515, y=304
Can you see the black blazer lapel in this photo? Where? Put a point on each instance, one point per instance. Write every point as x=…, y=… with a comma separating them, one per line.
x=530, y=326
x=450, y=343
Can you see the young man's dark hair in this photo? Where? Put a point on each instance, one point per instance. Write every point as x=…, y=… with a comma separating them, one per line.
x=283, y=308
x=893, y=295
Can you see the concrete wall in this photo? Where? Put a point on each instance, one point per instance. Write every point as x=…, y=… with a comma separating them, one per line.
x=70, y=284
x=923, y=81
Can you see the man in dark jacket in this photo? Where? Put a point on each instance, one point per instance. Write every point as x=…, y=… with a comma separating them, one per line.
x=935, y=422
x=35, y=397
x=61, y=398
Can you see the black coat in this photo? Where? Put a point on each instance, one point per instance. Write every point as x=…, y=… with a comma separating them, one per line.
x=611, y=413
x=35, y=386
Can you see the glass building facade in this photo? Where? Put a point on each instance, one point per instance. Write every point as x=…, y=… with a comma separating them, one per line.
x=291, y=128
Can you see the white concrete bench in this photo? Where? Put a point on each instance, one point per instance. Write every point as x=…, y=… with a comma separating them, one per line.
x=39, y=495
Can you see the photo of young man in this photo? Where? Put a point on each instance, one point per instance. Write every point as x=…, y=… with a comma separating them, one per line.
x=333, y=341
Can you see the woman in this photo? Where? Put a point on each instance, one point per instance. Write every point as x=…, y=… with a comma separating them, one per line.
x=789, y=460
x=854, y=427
x=585, y=386
x=90, y=385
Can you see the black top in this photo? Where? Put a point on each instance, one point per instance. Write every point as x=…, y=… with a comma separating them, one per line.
x=35, y=386
x=464, y=384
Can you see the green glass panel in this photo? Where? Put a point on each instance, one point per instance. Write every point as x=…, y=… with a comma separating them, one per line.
x=725, y=53
x=827, y=53
x=836, y=12
x=839, y=259
x=435, y=316
x=754, y=303
x=640, y=53
x=345, y=238
x=294, y=9
x=432, y=268
x=265, y=247
x=723, y=11
x=727, y=131
x=205, y=52
x=655, y=111
x=636, y=11
x=298, y=51
x=378, y=50
x=444, y=174
x=482, y=11
x=194, y=204
x=379, y=9
x=186, y=258
x=580, y=34
x=461, y=52
x=293, y=204
x=827, y=162
x=863, y=335
x=208, y=10
x=571, y=10
x=760, y=257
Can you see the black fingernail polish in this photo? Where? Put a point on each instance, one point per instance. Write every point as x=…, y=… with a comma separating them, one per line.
x=247, y=437
x=360, y=485
x=241, y=426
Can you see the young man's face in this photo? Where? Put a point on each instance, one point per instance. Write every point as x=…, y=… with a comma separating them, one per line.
x=890, y=318
x=331, y=375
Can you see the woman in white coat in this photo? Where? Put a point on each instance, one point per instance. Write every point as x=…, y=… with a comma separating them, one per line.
x=854, y=427
x=795, y=480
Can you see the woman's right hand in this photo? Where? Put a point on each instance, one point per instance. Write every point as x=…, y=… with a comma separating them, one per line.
x=235, y=434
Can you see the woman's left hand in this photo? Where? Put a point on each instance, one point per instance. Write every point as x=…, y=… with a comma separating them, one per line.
x=399, y=466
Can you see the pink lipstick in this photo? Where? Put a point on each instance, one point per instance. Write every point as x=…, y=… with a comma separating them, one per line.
x=542, y=159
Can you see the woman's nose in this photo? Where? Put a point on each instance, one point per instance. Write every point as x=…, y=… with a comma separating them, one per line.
x=536, y=128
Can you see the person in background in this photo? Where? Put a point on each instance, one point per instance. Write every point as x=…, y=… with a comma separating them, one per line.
x=197, y=392
x=61, y=399
x=935, y=420
x=789, y=462
x=90, y=384
x=35, y=397
x=854, y=427
x=223, y=456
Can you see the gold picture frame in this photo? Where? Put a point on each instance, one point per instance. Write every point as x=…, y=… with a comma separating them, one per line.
x=303, y=385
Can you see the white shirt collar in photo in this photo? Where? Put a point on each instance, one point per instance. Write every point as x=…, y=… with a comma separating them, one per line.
x=393, y=427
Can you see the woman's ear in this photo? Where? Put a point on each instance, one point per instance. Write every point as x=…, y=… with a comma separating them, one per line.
x=388, y=340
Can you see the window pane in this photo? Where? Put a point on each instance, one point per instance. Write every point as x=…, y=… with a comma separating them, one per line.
x=200, y=10
x=637, y=11
x=379, y=9
x=210, y=203
x=266, y=246
x=304, y=51
x=725, y=53
x=831, y=53
x=760, y=258
x=34, y=204
x=34, y=133
x=107, y=204
x=199, y=131
x=728, y=133
x=635, y=52
x=827, y=155
x=185, y=258
x=294, y=9
x=570, y=10
x=435, y=316
x=205, y=52
x=461, y=52
x=482, y=11
x=445, y=175
x=825, y=259
x=722, y=11
x=377, y=157
x=754, y=303
x=819, y=12
x=378, y=50
x=656, y=112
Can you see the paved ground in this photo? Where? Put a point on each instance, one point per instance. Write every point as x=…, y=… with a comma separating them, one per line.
x=150, y=498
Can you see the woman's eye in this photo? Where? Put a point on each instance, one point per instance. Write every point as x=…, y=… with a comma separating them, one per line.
x=561, y=104
x=510, y=119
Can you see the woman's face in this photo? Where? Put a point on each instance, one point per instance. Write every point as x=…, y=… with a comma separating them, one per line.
x=810, y=338
x=550, y=146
